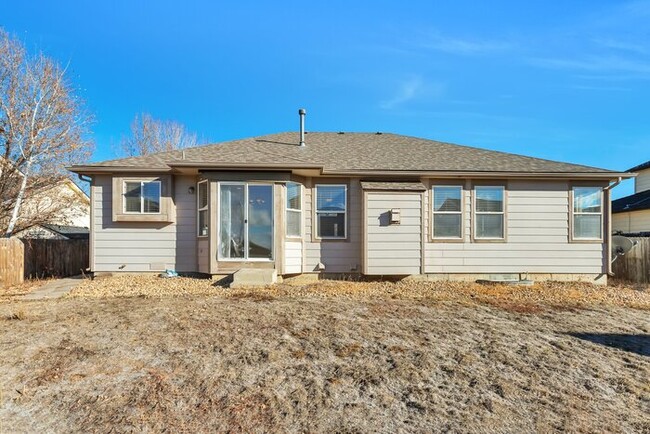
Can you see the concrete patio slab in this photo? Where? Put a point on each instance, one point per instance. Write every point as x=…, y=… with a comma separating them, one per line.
x=54, y=289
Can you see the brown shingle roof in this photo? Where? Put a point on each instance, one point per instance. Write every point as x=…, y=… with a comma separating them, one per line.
x=393, y=186
x=346, y=152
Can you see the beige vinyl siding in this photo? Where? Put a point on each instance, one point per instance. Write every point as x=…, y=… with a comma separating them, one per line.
x=537, y=219
x=143, y=246
x=642, y=181
x=393, y=249
x=204, y=255
x=292, y=257
x=631, y=221
x=338, y=256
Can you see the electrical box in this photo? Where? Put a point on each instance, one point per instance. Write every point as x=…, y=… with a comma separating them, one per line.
x=395, y=216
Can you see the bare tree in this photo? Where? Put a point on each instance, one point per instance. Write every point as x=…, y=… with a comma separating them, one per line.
x=149, y=135
x=43, y=125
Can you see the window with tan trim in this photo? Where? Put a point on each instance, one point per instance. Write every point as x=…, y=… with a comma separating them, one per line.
x=294, y=210
x=447, y=211
x=202, y=208
x=489, y=212
x=331, y=211
x=587, y=213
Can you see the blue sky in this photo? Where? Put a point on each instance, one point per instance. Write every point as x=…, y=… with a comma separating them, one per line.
x=560, y=80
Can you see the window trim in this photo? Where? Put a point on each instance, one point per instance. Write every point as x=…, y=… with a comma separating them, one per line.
x=316, y=225
x=205, y=208
x=461, y=238
x=503, y=213
x=299, y=211
x=142, y=182
x=573, y=213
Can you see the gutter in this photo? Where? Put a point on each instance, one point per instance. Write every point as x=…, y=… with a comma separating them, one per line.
x=404, y=173
x=468, y=174
x=609, y=224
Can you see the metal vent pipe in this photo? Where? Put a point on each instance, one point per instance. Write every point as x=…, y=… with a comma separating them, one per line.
x=302, y=113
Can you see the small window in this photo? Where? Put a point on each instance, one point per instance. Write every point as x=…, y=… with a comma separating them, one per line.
x=202, y=206
x=447, y=212
x=587, y=213
x=294, y=210
x=331, y=211
x=142, y=197
x=489, y=214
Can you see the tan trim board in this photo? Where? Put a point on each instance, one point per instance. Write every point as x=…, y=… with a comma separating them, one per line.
x=364, y=232
x=213, y=234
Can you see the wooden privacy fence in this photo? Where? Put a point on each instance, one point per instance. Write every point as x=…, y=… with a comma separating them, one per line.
x=635, y=265
x=55, y=258
x=12, y=271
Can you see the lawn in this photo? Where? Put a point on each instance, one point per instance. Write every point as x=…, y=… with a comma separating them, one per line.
x=182, y=355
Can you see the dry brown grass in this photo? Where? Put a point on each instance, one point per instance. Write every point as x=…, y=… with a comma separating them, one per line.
x=327, y=358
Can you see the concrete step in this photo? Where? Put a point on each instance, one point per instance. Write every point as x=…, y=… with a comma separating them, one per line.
x=247, y=277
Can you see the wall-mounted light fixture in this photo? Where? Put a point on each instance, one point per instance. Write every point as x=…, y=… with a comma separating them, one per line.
x=191, y=190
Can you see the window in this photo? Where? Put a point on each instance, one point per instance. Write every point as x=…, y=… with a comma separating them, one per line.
x=202, y=206
x=587, y=213
x=142, y=197
x=294, y=210
x=447, y=212
x=331, y=211
x=489, y=213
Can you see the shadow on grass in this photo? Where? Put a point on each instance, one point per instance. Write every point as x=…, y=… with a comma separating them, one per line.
x=639, y=344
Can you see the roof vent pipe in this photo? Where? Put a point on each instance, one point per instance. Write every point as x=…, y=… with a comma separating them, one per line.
x=302, y=113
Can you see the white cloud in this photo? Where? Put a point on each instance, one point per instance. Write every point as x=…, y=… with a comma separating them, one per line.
x=408, y=90
x=596, y=63
x=464, y=46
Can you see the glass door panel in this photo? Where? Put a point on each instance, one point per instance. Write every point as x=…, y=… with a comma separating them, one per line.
x=246, y=221
x=260, y=221
x=232, y=221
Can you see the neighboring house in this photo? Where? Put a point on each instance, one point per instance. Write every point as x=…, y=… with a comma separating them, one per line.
x=370, y=203
x=631, y=214
x=56, y=232
x=62, y=210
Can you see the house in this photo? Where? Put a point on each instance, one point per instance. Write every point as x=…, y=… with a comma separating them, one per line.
x=631, y=214
x=57, y=209
x=338, y=203
x=55, y=232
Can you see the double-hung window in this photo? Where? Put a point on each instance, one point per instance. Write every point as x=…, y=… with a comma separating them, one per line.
x=142, y=197
x=587, y=213
x=489, y=212
x=447, y=212
x=294, y=210
x=202, y=208
x=331, y=211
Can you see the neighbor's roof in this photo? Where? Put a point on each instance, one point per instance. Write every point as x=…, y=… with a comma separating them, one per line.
x=641, y=166
x=635, y=202
x=72, y=232
x=345, y=153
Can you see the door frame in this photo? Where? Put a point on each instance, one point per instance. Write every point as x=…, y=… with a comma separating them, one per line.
x=246, y=184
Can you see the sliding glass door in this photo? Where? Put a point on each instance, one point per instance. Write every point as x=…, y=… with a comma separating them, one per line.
x=245, y=221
